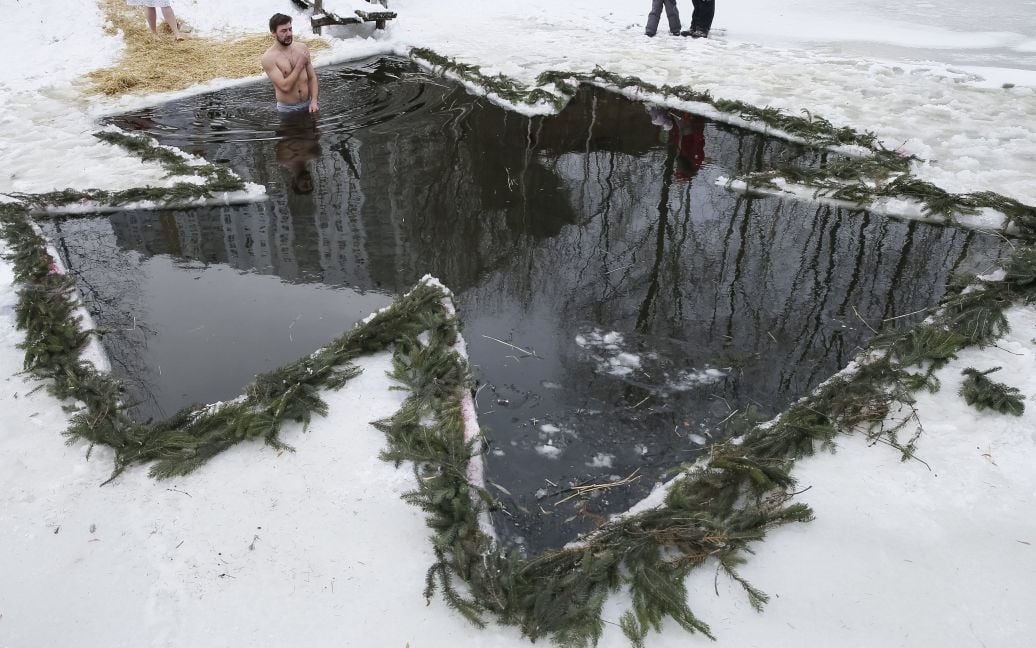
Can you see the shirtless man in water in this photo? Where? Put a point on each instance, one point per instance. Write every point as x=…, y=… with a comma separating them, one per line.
x=289, y=68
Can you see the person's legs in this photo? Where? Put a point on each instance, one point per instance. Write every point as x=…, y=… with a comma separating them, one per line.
x=652, y=22
x=701, y=19
x=170, y=19
x=151, y=15
x=673, y=14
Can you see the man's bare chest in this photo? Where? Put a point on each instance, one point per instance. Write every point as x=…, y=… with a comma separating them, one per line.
x=286, y=63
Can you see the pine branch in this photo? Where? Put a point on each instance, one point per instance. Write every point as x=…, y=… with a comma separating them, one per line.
x=982, y=393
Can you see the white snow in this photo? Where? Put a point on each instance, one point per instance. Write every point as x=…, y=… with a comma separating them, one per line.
x=805, y=55
x=316, y=549
x=923, y=557
x=349, y=7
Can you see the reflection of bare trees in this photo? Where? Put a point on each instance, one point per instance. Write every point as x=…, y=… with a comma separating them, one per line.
x=595, y=218
x=692, y=277
x=584, y=213
x=108, y=281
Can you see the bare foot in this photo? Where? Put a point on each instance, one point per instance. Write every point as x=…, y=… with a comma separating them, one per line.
x=178, y=37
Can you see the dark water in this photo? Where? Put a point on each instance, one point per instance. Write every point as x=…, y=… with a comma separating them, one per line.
x=618, y=304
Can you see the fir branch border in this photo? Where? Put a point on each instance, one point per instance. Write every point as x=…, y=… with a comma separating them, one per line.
x=714, y=512
x=717, y=508
x=216, y=179
x=870, y=172
x=190, y=437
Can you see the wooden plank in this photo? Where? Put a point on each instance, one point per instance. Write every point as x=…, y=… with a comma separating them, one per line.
x=375, y=15
x=326, y=20
x=322, y=19
x=316, y=23
x=379, y=17
x=370, y=16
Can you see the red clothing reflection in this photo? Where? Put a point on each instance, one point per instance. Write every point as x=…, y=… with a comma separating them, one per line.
x=688, y=137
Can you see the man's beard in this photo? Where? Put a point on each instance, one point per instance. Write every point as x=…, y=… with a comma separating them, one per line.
x=285, y=41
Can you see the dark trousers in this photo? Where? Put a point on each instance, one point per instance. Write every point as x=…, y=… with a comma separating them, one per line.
x=701, y=19
x=671, y=12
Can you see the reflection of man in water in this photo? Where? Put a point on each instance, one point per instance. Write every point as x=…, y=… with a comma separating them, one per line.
x=298, y=142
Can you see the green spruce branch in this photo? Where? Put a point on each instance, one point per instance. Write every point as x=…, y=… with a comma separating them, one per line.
x=861, y=180
x=982, y=393
x=711, y=516
x=714, y=512
x=216, y=179
x=178, y=445
x=502, y=86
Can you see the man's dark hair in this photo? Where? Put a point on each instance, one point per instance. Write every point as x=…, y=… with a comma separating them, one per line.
x=278, y=19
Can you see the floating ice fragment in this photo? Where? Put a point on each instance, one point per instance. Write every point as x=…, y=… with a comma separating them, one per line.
x=610, y=357
x=548, y=451
x=697, y=438
x=601, y=460
x=550, y=428
x=619, y=370
x=628, y=360
x=686, y=380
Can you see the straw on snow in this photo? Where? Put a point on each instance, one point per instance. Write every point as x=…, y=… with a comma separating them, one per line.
x=162, y=64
